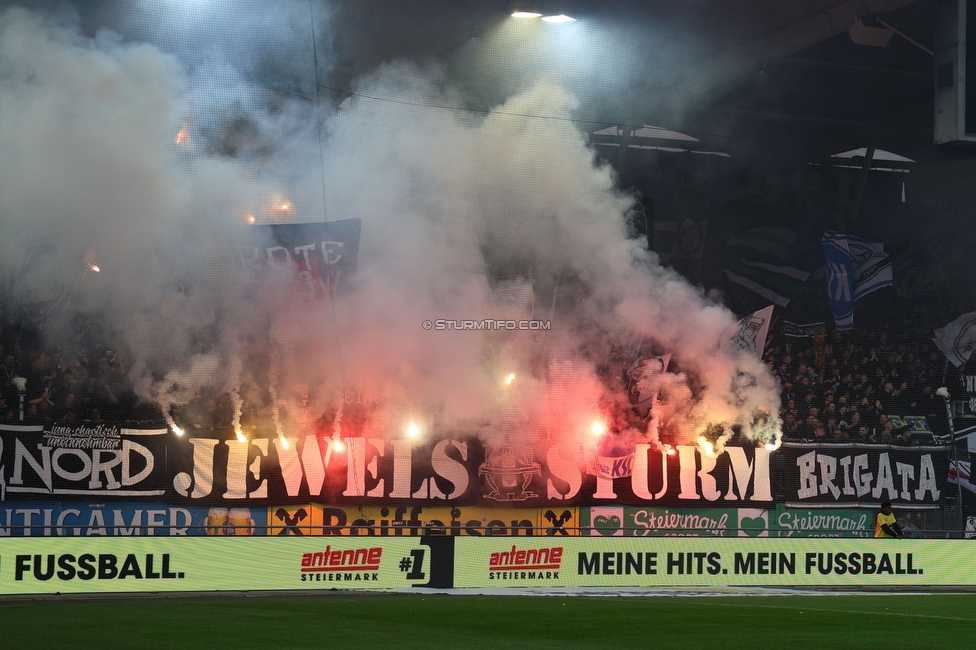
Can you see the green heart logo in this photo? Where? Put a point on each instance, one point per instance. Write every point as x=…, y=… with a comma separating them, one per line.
x=753, y=526
x=606, y=525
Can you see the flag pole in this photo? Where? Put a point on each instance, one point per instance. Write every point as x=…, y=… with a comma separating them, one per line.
x=944, y=394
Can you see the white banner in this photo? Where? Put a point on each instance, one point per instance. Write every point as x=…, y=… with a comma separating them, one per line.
x=751, y=334
x=958, y=338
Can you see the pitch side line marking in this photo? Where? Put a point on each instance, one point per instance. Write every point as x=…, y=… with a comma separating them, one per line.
x=850, y=611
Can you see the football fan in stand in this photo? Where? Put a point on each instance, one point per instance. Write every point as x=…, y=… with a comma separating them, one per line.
x=886, y=525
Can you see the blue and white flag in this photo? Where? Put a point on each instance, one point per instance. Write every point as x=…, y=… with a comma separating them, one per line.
x=840, y=280
x=871, y=265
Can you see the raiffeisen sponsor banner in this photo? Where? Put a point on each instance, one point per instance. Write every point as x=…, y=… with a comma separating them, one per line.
x=385, y=521
x=718, y=562
x=143, y=564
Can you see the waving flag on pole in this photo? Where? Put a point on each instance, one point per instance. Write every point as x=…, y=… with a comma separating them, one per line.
x=643, y=377
x=957, y=340
x=761, y=260
x=750, y=335
x=855, y=268
x=871, y=265
x=840, y=280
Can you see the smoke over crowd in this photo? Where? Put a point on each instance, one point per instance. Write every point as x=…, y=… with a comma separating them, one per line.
x=153, y=168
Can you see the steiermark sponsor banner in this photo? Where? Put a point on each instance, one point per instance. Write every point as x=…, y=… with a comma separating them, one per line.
x=144, y=564
x=716, y=562
x=626, y=521
x=832, y=522
x=399, y=520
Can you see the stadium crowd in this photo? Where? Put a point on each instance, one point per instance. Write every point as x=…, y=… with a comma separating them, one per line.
x=84, y=379
x=837, y=387
x=850, y=386
x=81, y=380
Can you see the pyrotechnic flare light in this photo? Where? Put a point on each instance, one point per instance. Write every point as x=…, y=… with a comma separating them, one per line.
x=94, y=267
x=240, y=436
x=413, y=430
x=171, y=422
x=707, y=447
x=561, y=18
x=183, y=139
x=283, y=440
x=250, y=218
x=772, y=446
x=339, y=445
x=510, y=378
x=671, y=451
x=599, y=428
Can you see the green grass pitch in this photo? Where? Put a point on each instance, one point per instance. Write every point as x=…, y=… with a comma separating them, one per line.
x=429, y=621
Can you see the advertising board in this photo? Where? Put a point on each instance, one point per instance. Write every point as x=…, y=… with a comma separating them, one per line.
x=174, y=564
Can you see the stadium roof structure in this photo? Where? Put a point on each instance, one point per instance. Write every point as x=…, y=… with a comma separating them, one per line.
x=787, y=73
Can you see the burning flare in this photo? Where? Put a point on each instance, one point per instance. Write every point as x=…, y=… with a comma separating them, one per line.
x=706, y=446
x=235, y=397
x=169, y=421
x=184, y=140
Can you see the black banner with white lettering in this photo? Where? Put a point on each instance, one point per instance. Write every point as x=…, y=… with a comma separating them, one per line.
x=217, y=469
x=850, y=473
x=82, y=462
x=214, y=468
x=307, y=256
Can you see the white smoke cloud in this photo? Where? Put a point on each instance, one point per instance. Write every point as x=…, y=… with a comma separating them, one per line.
x=457, y=209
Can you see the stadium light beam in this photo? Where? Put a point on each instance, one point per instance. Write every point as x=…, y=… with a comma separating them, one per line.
x=526, y=14
x=558, y=19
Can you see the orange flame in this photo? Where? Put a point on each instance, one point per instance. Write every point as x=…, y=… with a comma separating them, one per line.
x=184, y=140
